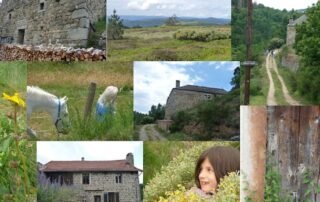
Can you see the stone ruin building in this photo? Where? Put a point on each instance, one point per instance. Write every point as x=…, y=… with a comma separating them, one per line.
x=185, y=97
x=97, y=181
x=291, y=29
x=36, y=22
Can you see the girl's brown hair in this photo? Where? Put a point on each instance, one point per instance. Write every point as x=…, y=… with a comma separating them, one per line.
x=223, y=160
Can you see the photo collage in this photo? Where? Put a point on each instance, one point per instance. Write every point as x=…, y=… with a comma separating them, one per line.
x=159, y=101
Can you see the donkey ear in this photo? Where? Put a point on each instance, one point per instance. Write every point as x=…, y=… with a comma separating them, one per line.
x=65, y=98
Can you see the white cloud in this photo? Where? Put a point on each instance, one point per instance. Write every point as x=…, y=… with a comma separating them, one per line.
x=287, y=4
x=142, y=4
x=153, y=82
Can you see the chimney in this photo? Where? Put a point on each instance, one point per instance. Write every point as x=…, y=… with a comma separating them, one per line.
x=177, y=83
x=82, y=158
x=129, y=158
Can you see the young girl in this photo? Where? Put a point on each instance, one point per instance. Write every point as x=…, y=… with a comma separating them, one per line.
x=212, y=165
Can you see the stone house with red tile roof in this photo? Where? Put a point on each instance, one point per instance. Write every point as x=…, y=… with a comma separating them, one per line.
x=101, y=181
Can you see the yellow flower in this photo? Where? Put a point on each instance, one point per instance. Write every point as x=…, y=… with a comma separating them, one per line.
x=15, y=99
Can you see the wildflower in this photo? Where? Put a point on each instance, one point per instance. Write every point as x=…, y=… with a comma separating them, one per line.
x=14, y=99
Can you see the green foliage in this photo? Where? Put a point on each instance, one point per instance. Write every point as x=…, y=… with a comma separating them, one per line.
x=312, y=187
x=115, y=27
x=179, y=171
x=200, y=36
x=180, y=119
x=163, y=55
x=275, y=43
x=308, y=38
x=235, y=81
x=17, y=162
x=99, y=28
x=308, y=83
x=272, y=187
x=172, y=21
x=268, y=23
x=157, y=112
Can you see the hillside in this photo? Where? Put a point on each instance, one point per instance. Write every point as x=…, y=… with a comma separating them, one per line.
x=152, y=21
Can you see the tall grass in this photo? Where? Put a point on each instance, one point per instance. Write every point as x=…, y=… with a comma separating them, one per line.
x=151, y=43
x=72, y=80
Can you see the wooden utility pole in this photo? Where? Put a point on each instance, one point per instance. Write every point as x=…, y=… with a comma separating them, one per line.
x=248, y=63
x=90, y=98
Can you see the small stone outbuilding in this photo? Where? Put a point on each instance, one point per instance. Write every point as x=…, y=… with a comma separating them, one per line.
x=98, y=181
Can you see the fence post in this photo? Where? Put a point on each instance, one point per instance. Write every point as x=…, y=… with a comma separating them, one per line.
x=90, y=98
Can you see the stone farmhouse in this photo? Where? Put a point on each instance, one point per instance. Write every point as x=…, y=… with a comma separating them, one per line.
x=98, y=181
x=291, y=29
x=185, y=97
x=36, y=22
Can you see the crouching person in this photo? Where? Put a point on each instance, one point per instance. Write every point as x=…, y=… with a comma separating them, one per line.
x=106, y=103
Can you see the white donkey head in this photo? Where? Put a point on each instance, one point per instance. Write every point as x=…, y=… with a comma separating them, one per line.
x=62, y=121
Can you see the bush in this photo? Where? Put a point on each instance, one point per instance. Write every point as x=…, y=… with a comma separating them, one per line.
x=180, y=119
x=180, y=171
x=199, y=36
x=48, y=192
x=163, y=55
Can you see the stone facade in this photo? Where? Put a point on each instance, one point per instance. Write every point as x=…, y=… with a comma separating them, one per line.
x=102, y=183
x=35, y=22
x=98, y=181
x=291, y=29
x=186, y=97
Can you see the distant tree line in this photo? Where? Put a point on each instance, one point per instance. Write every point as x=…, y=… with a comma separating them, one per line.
x=155, y=113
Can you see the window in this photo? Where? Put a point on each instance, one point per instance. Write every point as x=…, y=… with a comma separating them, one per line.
x=119, y=178
x=111, y=197
x=42, y=6
x=97, y=198
x=9, y=16
x=85, y=178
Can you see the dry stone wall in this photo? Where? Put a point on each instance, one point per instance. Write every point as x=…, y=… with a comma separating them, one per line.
x=36, y=22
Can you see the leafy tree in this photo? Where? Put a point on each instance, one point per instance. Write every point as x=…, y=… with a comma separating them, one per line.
x=275, y=43
x=115, y=27
x=235, y=81
x=171, y=21
x=157, y=112
x=308, y=38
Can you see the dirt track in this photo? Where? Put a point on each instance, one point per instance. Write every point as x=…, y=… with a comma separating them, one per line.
x=148, y=132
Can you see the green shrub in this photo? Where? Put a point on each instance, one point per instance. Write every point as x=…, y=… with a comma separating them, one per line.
x=180, y=119
x=199, y=36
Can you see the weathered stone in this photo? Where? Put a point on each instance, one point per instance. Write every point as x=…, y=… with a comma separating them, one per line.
x=35, y=22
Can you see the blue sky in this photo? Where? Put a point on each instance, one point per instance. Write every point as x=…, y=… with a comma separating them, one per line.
x=153, y=81
x=90, y=150
x=190, y=8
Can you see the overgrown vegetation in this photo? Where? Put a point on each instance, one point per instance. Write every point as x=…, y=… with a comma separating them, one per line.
x=95, y=36
x=155, y=113
x=51, y=192
x=200, y=36
x=217, y=118
x=17, y=155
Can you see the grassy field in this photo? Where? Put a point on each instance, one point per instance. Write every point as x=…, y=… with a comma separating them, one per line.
x=72, y=80
x=157, y=43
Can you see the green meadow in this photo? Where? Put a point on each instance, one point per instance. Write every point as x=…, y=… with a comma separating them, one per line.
x=158, y=43
x=72, y=80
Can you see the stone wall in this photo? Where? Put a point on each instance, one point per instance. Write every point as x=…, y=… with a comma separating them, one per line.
x=36, y=22
x=181, y=99
x=291, y=34
x=100, y=183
